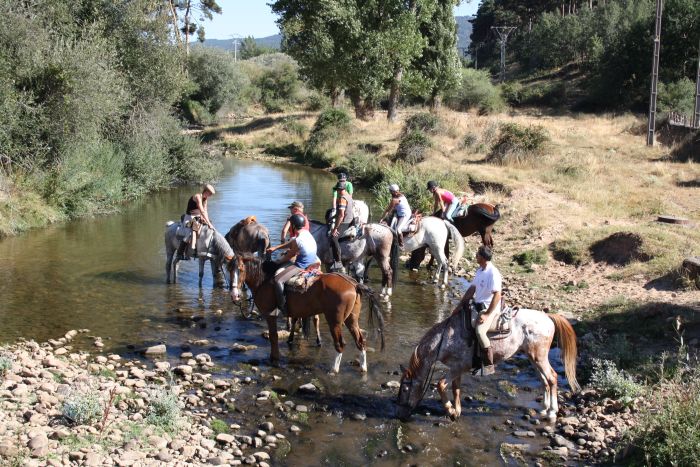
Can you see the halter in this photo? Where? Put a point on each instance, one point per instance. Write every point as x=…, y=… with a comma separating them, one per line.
x=426, y=383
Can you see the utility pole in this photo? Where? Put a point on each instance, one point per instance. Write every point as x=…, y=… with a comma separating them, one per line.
x=655, y=75
x=503, y=33
x=236, y=40
x=476, y=54
x=696, y=118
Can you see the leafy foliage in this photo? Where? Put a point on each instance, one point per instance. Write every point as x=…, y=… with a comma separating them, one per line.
x=476, y=91
x=613, y=382
x=82, y=407
x=413, y=147
x=164, y=410
x=424, y=121
x=217, y=79
x=517, y=143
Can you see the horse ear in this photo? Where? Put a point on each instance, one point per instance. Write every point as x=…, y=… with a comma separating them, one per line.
x=403, y=369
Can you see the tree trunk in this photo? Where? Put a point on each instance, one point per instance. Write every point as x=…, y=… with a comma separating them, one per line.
x=336, y=94
x=187, y=28
x=394, y=94
x=435, y=101
x=357, y=104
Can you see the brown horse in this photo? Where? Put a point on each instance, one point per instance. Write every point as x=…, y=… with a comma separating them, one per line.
x=248, y=236
x=480, y=218
x=337, y=296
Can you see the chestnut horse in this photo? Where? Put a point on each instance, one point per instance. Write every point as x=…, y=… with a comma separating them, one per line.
x=480, y=218
x=453, y=343
x=248, y=236
x=335, y=295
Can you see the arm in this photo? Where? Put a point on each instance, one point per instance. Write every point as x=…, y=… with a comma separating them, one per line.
x=392, y=205
x=465, y=299
x=290, y=244
x=339, y=216
x=203, y=210
x=291, y=252
x=285, y=231
x=495, y=301
x=438, y=192
x=436, y=201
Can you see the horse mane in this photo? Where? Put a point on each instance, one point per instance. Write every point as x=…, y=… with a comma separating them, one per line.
x=221, y=245
x=257, y=270
x=423, y=348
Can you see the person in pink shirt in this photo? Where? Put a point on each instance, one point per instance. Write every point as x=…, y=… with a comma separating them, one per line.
x=443, y=200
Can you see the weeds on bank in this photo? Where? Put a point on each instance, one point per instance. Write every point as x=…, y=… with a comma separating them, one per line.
x=82, y=407
x=164, y=410
x=6, y=361
x=219, y=426
x=529, y=257
x=612, y=382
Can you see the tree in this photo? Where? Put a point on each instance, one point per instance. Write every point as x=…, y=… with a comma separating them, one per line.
x=250, y=48
x=186, y=24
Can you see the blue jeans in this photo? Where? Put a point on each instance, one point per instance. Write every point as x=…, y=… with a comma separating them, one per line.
x=450, y=210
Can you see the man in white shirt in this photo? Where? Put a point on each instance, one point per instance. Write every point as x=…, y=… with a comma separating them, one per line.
x=486, y=292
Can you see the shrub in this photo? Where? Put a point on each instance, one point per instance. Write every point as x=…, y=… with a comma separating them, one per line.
x=517, y=143
x=569, y=251
x=219, y=426
x=365, y=168
x=331, y=125
x=530, y=257
x=470, y=141
x=670, y=435
x=424, y=122
x=413, y=147
x=196, y=113
x=82, y=407
x=5, y=364
x=613, y=382
x=217, y=78
x=190, y=162
x=677, y=96
x=293, y=127
x=476, y=91
x=164, y=410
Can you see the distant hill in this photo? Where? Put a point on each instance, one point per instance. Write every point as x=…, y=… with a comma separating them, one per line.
x=464, y=30
x=272, y=42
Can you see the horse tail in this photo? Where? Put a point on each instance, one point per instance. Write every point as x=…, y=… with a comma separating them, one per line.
x=394, y=259
x=374, y=311
x=458, y=244
x=566, y=337
x=496, y=212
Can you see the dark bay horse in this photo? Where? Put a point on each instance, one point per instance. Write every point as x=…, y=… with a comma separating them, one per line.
x=480, y=218
x=452, y=343
x=248, y=236
x=336, y=296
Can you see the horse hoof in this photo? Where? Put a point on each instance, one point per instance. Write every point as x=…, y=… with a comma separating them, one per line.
x=363, y=369
x=552, y=416
x=442, y=286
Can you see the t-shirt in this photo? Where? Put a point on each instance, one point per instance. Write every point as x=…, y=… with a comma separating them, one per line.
x=487, y=281
x=348, y=189
x=307, y=250
x=306, y=220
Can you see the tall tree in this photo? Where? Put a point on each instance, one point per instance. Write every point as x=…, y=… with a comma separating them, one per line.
x=187, y=17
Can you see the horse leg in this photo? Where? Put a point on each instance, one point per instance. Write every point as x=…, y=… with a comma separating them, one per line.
x=291, y=326
x=337, y=336
x=359, y=268
x=487, y=238
x=168, y=265
x=456, y=396
x=317, y=325
x=540, y=359
x=446, y=402
x=351, y=322
x=274, y=339
x=176, y=262
x=201, y=271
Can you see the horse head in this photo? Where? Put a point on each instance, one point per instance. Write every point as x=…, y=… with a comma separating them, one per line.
x=248, y=268
x=411, y=390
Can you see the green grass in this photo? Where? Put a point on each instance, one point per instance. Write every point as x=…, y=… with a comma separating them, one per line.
x=219, y=426
x=529, y=257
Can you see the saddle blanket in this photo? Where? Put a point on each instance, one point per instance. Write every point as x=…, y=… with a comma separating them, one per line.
x=302, y=281
x=502, y=323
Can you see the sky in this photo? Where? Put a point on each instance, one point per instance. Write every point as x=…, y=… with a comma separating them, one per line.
x=253, y=18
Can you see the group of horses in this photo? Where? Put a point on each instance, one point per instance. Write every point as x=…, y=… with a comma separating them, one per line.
x=339, y=298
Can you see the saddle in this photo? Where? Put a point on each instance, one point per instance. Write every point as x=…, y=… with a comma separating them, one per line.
x=301, y=282
x=414, y=224
x=500, y=328
x=248, y=220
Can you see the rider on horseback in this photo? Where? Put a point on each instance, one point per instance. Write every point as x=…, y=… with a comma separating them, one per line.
x=443, y=200
x=486, y=292
x=195, y=215
x=342, y=177
x=398, y=207
x=297, y=207
x=302, y=247
x=343, y=223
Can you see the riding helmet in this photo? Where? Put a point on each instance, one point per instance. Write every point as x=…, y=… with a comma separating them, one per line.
x=298, y=221
x=394, y=188
x=342, y=176
x=432, y=184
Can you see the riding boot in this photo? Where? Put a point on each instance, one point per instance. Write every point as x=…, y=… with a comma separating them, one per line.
x=182, y=251
x=281, y=301
x=487, y=367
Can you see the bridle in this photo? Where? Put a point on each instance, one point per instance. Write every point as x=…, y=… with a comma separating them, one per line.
x=426, y=383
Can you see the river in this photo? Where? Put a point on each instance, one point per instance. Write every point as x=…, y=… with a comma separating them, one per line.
x=107, y=274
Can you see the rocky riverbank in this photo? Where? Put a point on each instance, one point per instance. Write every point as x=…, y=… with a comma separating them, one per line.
x=60, y=406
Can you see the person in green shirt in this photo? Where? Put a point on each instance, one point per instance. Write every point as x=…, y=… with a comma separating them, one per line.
x=342, y=177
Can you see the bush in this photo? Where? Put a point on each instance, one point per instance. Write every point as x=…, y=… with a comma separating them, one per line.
x=424, y=122
x=364, y=167
x=670, y=435
x=82, y=407
x=517, y=144
x=678, y=96
x=569, y=251
x=530, y=257
x=196, y=113
x=331, y=125
x=217, y=78
x=476, y=91
x=191, y=163
x=549, y=94
x=293, y=127
x=219, y=426
x=613, y=382
x=5, y=364
x=413, y=147
x=164, y=410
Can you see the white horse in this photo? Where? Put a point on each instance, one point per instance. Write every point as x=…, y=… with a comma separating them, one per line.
x=210, y=245
x=453, y=343
x=433, y=233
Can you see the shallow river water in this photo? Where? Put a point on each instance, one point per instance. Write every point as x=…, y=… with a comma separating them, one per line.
x=107, y=274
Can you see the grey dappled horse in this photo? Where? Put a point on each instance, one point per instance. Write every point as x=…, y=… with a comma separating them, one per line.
x=377, y=241
x=433, y=233
x=249, y=236
x=453, y=343
x=210, y=245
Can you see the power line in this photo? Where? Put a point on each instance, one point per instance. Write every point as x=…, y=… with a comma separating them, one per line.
x=503, y=33
x=655, y=75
